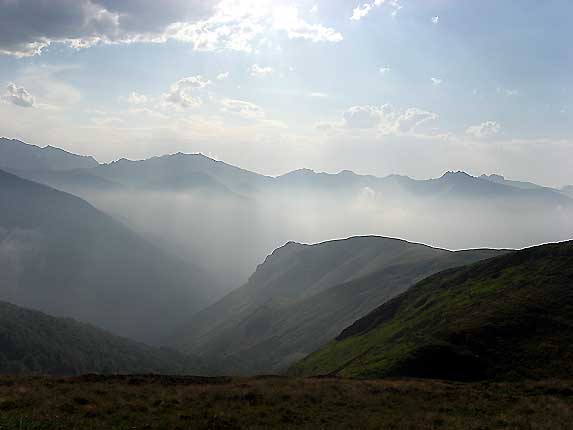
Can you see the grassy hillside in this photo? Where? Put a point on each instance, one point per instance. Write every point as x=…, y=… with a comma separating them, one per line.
x=32, y=342
x=60, y=255
x=304, y=295
x=510, y=317
x=125, y=403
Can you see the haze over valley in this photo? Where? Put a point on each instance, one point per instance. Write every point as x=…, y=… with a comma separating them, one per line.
x=205, y=211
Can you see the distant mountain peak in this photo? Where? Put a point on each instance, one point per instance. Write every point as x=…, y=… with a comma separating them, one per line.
x=189, y=155
x=493, y=176
x=457, y=174
x=303, y=171
x=347, y=173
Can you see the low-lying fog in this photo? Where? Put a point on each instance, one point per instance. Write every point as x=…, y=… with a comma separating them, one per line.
x=230, y=236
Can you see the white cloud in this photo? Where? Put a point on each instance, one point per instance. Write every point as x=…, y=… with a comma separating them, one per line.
x=385, y=69
x=287, y=19
x=318, y=95
x=222, y=76
x=314, y=9
x=135, y=99
x=182, y=94
x=361, y=11
x=484, y=130
x=259, y=71
x=240, y=25
x=364, y=9
x=436, y=81
x=243, y=109
x=382, y=120
x=29, y=26
x=407, y=121
x=366, y=116
x=18, y=96
x=435, y=19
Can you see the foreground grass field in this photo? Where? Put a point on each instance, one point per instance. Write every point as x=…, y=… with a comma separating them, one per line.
x=152, y=402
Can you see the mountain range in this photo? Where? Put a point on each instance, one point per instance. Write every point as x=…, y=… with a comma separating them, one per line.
x=509, y=317
x=180, y=171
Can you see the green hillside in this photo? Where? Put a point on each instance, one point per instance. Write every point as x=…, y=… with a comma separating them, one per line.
x=32, y=342
x=510, y=317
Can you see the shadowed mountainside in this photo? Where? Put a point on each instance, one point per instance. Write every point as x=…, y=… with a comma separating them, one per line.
x=303, y=295
x=61, y=255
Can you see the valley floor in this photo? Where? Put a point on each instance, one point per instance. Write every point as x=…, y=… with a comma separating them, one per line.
x=154, y=402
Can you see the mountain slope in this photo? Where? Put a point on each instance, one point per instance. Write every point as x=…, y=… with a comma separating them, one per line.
x=15, y=154
x=79, y=182
x=181, y=171
x=508, y=317
x=499, y=179
x=60, y=255
x=303, y=295
x=33, y=342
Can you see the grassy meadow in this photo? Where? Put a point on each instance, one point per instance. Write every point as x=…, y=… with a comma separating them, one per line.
x=171, y=403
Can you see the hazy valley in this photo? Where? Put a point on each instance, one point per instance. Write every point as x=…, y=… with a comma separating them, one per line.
x=229, y=267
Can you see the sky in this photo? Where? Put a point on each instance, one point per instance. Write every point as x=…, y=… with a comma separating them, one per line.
x=414, y=87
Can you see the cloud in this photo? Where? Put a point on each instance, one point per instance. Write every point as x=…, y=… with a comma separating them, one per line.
x=260, y=72
x=435, y=19
x=29, y=26
x=318, y=95
x=382, y=120
x=365, y=116
x=314, y=9
x=385, y=69
x=243, y=109
x=18, y=96
x=238, y=24
x=436, y=81
x=407, y=121
x=484, y=130
x=182, y=94
x=364, y=9
x=137, y=99
x=361, y=11
x=222, y=76
x=287, y=19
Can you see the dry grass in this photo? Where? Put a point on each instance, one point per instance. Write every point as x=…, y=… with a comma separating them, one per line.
x=150, y=402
